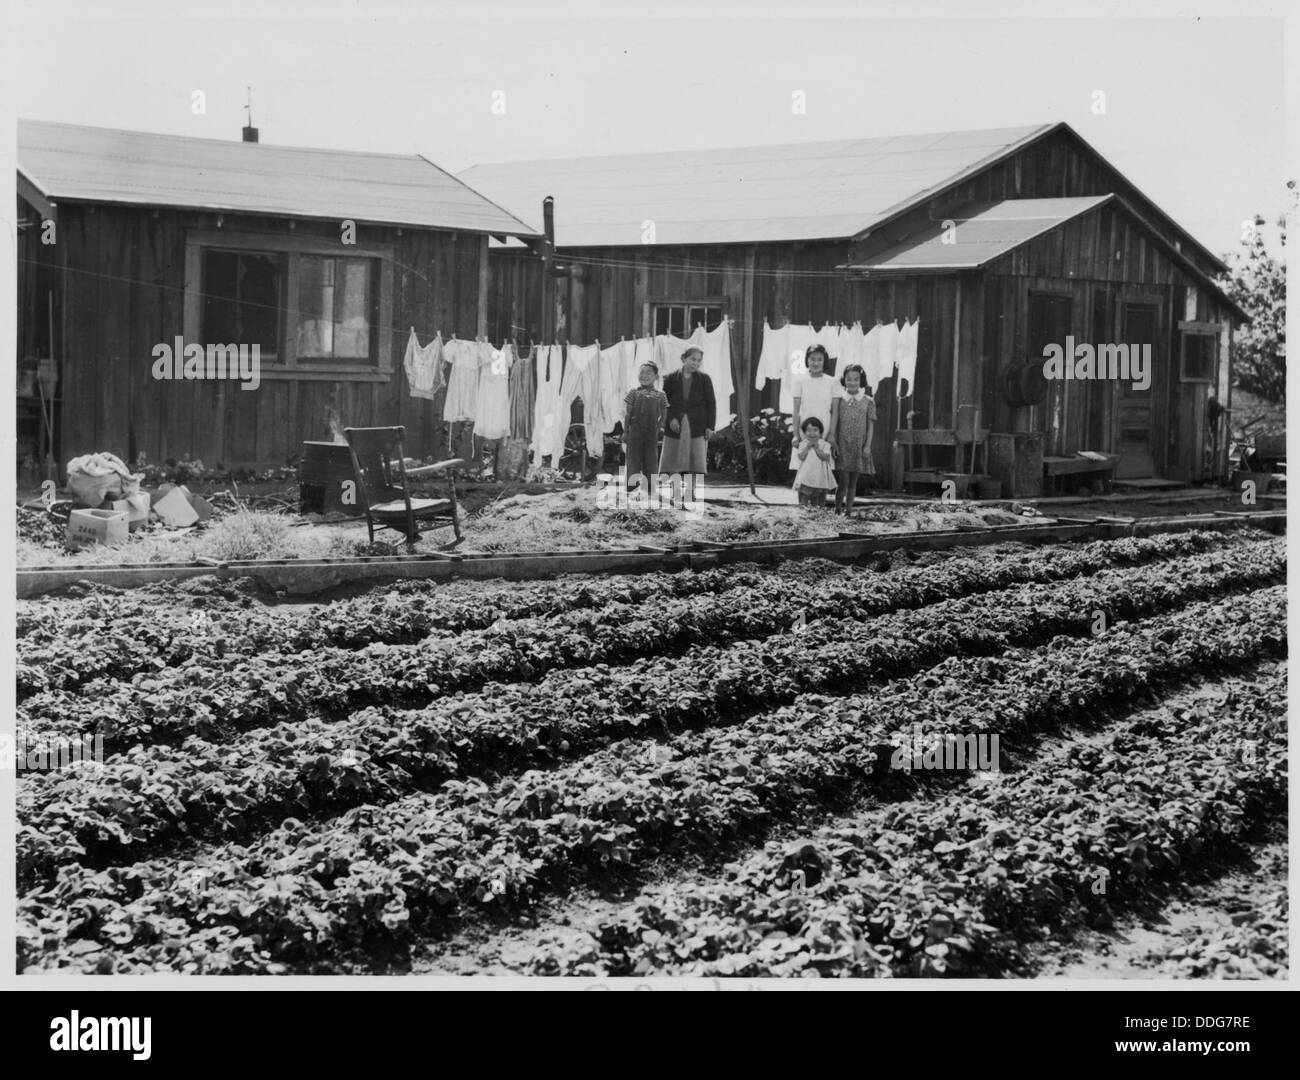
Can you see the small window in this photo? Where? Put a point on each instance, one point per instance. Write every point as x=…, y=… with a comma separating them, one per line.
x=680, y=320
x=1200, y=353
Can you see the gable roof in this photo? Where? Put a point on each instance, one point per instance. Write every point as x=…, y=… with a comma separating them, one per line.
x=801, y=191
x=797, y=191
x=91, y=164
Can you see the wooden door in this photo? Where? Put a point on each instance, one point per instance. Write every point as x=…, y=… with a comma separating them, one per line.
x=1049, y=323
x=1135, y=442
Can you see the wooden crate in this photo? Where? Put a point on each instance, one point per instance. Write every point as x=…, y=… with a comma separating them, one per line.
x=322, y=472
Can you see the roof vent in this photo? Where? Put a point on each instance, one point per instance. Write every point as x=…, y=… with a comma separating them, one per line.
x=250, y=132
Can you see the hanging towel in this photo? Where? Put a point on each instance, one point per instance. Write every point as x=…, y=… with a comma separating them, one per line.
x=546, y=411
x=423, y=365
x=523, y=390
x=492, y=409
x=906, y=356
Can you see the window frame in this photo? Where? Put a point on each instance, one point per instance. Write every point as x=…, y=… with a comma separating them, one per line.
x=1210, y=330
x=654, y=303
x=288, y=365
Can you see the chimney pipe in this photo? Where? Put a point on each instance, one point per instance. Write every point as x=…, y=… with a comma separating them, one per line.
x=250, y=134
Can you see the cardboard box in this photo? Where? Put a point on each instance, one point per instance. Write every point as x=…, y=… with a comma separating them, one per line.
x=201, y=505
x=87, y=527
x=136, y=508
x=175, y=509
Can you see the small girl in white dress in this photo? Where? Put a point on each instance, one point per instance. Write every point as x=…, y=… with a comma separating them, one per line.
x=813, y=479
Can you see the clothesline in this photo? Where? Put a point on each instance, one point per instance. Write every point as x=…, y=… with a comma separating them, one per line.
x=878, y=351
x=531, y=396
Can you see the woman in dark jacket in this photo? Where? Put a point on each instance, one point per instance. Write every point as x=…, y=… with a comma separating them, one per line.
x=692, y=413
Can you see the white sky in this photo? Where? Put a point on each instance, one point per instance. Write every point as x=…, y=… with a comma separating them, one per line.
x=1194, y=107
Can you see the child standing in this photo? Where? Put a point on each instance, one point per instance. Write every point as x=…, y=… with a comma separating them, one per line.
x=853, y=446
x=644, y=412
x=814, y=478
x=816, y=394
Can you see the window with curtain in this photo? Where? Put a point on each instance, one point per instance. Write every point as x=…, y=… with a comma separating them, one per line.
x=335, y=314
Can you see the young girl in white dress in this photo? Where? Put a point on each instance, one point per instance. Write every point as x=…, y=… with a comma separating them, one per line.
x=814, y=478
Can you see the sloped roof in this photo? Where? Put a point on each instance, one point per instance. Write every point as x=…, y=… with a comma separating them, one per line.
x=77, y=162
x=981, y=232
x=985, y=231
x=798, y=191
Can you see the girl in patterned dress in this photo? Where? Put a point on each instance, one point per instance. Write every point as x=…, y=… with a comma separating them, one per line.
x=853, y=443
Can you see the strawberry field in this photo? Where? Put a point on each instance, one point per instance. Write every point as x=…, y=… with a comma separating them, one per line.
x=692, y=773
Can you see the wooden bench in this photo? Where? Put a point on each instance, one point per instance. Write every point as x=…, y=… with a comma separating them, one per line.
x=1057, y=470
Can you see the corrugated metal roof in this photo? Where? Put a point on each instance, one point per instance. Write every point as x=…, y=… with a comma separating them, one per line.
x=73, y=161
x=979, y=232
x=798, y=191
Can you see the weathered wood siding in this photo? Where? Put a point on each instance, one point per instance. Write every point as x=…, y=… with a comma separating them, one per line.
x=122, y=274
x=1102, y=260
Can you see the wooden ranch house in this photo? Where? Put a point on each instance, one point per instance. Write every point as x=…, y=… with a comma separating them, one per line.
x=1001, y=242
x=324, y=259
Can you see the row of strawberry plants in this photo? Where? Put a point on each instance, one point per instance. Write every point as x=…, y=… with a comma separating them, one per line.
x=153, y=793
x=304, y=896
x=960, y=884
x=67, y=652
x=69, y=646
x=216, y=699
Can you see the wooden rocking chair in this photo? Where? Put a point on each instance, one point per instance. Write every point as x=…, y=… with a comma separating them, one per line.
x=378, y=462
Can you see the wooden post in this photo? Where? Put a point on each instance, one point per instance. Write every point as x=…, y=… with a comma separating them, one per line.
x=956, y=353
x=742, y=403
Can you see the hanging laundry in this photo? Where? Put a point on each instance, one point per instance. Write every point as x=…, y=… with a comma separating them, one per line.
x=906, y=356
x=462, y=384
x=717, y=366
x=828, y=337
x=581, y=381
x=615, y=363
x=669, y=349
x=801, y=337
x=546, y=411
x=851, y=345
x=492, y=411
x=871, y=358
x=888, y=350
x=775, y=355
x=523, y=389
x=798, y=339
x=423, y=366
